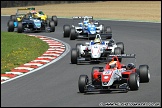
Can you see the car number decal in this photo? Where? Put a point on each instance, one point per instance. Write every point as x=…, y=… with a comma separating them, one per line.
x=107, y=72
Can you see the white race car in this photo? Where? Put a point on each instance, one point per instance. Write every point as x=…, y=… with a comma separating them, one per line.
x=96, y=51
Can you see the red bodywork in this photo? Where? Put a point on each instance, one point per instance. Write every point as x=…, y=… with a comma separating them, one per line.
x=97, y=75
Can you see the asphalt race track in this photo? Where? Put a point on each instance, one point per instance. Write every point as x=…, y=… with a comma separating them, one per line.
x=57, y=84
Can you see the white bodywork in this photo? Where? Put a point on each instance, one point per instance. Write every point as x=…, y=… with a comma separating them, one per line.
x=113, y=74
x=96, y=49
x=79, y=29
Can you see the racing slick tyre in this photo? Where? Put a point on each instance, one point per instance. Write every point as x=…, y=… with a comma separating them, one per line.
x=121, y=45
x=66, y=30
x=72, y=34
x=103, y=28
x=117, y=51
x=78, y=45
x=13, y=17
x=52, y=26
x=82, y=82
x=74, y=55
x=133, y=81
x=19, y=27
x=78, y=48
x=108, y=29
x=47, y=22
x=10, y=26
x=54, y=18
x=144, y=73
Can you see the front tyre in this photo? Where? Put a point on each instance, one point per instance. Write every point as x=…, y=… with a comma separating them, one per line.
x=82, y=82
x=74, y=55
x=133, y=81
x=52, y=26
x=66, y=30
x=10, y=26
x=72, y=34
x=19, y=27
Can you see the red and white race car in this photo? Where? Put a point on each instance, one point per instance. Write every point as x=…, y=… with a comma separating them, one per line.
x=115, y=76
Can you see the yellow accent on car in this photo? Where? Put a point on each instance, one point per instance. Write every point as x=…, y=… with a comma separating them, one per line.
x=18, y=19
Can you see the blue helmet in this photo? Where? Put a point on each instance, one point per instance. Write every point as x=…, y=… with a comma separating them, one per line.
x=85, y=22
x=130, y=66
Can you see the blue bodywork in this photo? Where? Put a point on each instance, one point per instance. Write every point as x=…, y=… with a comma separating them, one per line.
x=15, y=24
x=88, y=28
x=30, y=23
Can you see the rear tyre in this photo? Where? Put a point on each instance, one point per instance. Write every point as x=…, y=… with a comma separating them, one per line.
x=13, y=17
x=66, y=30
x=108, y=29
x=117, y=51
x=82, y=82
x=10, y=26
x=133, y=81
x=121, y=45
x=103, y=28
x=74, y=55
x=54, y=18
x=144, y=73
x=19, y=27
x=78, y=48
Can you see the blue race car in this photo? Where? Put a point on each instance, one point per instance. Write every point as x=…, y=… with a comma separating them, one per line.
x=86, y=29
x=29, y=23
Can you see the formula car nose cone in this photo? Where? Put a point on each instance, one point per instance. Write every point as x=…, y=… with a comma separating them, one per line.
x=95, y=51
x=92, y=31
x=106, y=77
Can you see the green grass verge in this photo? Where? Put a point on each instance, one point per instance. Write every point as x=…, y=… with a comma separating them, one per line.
x=17, y=49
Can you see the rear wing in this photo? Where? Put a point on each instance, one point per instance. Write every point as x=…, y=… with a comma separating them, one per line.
x=23, y=11
x=110, y=57
x=82, y=17
x=123, y=55
x=78, y=19
x=26, y=8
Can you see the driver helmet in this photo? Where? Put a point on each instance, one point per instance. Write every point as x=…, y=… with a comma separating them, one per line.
x=112, y=64
x=41, y=12
x=130, y=66
x=86, y=21
x=111, y=41
x=97, y=41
